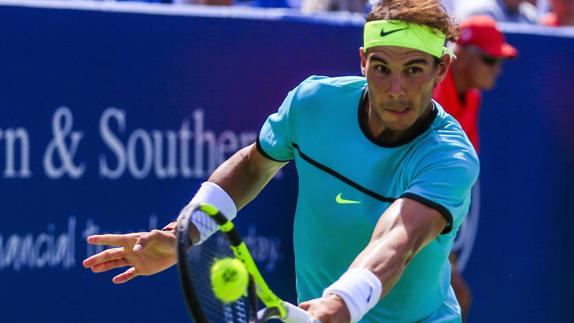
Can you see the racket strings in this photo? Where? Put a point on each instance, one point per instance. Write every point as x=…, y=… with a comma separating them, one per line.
x=200, y=260
x=203, y=222
x=241, y=310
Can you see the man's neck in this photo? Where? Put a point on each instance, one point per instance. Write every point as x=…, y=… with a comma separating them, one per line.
x=390, y=137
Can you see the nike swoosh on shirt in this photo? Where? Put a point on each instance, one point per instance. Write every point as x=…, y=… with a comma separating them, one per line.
x=339, y=199
x=383, y=33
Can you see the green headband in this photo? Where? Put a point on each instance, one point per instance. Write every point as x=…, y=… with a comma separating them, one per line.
x=403, y=34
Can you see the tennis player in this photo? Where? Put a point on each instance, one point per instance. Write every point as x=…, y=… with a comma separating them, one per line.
x=384, y=180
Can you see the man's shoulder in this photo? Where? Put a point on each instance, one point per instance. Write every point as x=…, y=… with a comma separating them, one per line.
x=317, y=82
x=446, y=139
x=447, y=128
x=327, y=90
x=446, y=149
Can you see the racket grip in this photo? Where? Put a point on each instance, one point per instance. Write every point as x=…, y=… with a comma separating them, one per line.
x=297, y=315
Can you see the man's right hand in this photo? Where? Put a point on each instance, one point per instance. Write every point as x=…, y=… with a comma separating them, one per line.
x=146, y=253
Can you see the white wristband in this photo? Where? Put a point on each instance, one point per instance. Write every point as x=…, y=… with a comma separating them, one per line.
x=213, y=194
x=360, y=289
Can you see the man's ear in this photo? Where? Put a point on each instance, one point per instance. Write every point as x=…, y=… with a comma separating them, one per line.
x=443, y=68
x=363, y=56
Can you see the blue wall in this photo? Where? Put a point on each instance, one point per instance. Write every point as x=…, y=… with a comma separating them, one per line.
x=520, y=266
x=94, y=103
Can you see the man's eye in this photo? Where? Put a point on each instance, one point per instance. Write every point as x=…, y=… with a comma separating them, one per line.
x=413, y=70
x=382, y=69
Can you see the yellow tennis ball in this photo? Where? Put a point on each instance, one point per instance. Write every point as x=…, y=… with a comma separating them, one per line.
x=229, y=279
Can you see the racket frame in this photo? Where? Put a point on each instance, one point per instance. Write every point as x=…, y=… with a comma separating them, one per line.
x=274, y=306
x=271, y=301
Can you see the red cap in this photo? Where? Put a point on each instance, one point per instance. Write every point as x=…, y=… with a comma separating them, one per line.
x=482, y=32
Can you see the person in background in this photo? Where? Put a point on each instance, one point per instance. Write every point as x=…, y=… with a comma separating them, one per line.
x=207, y=2
x=315, y=6
x=501, y=10
x=561, y=14
x=251, y=3
x=480, y=50
x=274, y=3
x=449, y=5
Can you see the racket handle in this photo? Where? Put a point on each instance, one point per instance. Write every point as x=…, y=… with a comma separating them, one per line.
x=297, y=315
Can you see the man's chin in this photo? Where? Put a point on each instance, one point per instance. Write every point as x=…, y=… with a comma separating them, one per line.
x=398, y=127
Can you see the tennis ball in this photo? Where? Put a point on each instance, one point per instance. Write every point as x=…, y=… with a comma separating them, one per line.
x=229, y=279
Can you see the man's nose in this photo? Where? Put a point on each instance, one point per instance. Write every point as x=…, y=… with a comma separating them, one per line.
x=396, y=89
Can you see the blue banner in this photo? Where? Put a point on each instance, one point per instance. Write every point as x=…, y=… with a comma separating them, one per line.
x=109, y=121
x=111, y=117
x=519, y=269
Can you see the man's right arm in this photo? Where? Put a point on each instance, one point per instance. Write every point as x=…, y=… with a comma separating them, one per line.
x=242, y=177
x=245, y=174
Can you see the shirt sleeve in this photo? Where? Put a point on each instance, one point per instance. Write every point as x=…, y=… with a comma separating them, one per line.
x=274, y=140
x=443, y=181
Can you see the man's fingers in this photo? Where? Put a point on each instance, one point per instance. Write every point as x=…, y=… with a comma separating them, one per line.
x=110, y=265
x=125, y=276
x=146, y=239
x=113, y=239
x=104, y=256
x=305, y=305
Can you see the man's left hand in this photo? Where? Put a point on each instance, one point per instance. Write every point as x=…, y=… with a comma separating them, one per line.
x=328, y=309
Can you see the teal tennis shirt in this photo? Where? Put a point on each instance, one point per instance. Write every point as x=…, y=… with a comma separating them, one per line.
x=347, y=181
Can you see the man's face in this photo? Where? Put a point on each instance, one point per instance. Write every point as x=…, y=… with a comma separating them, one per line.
x=400, y=83
x=481, y=68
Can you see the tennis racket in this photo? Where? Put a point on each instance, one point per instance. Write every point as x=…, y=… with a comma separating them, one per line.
x=195, y=265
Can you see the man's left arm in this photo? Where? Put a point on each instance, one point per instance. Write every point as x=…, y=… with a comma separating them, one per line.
x=434, y=203
x=402, y=231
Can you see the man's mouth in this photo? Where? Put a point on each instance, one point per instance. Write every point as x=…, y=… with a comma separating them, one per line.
x=398, y=112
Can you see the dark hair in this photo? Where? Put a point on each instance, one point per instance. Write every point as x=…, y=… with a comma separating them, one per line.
x=429, y=13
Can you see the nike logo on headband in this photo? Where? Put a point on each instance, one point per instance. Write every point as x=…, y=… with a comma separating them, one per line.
x=383, y=33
